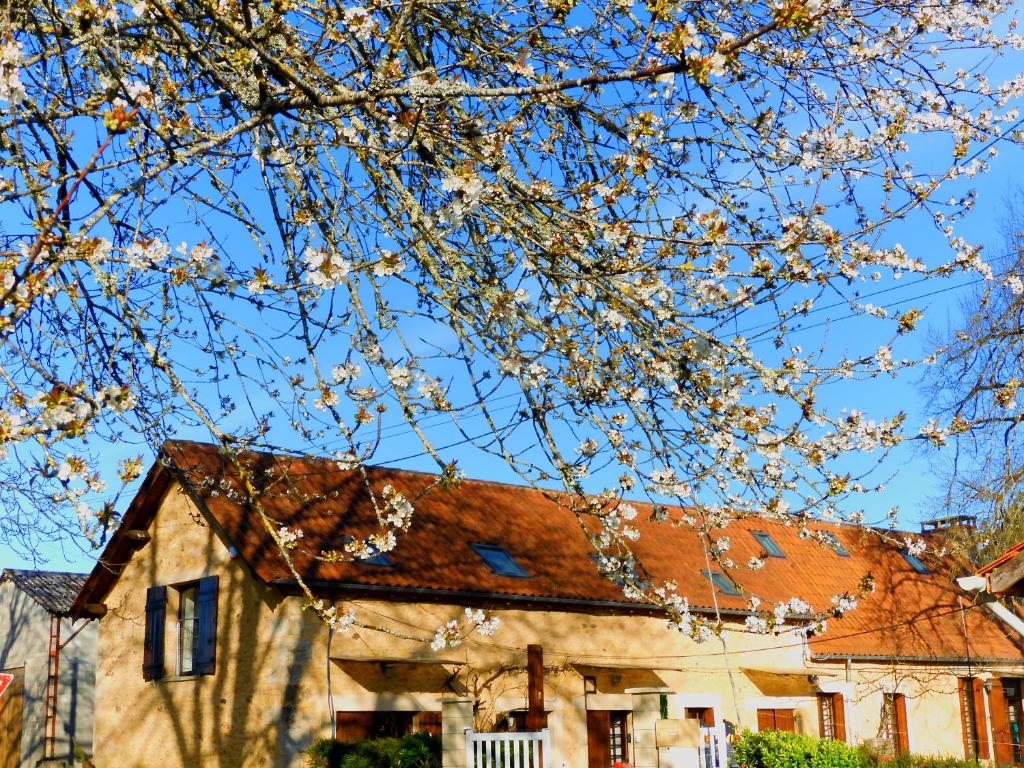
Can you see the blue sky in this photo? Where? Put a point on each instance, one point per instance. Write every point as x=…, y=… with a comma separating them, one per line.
x=910, y=485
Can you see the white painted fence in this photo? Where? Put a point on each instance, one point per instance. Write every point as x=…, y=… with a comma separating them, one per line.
x=507, y=750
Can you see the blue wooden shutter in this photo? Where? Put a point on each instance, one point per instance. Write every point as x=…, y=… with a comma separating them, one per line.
x=206, y=626
x=153, y=648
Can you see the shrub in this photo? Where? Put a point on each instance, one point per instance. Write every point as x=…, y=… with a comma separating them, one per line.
x=777, y=749
x=873, y=759
x=418, y=750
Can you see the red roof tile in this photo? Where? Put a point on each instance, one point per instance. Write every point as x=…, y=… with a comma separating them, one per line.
x=909, y=615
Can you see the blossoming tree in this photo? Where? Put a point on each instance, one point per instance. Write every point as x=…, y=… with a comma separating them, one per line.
x=578, y=232
x=975, y=387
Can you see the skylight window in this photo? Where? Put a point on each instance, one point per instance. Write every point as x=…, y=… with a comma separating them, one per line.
x=833, y=542
x=768, y=544
x=381, y=558
x=500, y=561
x=720, y=580
x=916, y=564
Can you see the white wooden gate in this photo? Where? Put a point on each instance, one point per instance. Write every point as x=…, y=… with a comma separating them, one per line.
x=507, y=750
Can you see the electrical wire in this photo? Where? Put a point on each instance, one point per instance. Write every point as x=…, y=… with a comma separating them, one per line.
x=703, y=655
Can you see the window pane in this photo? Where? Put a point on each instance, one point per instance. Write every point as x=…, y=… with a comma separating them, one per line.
x=373, y=558
x=721, y=581
x=186, y=630
x=828, y=716
x=833, y=541
x=768, y=544
x=499, y=560
x=916, y=564
x=617, y=738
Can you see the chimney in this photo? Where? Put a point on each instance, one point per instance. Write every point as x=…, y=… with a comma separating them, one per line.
x=966, y=522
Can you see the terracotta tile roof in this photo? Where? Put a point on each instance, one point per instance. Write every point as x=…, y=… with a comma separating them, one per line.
x=435, y=557
x=53, y=590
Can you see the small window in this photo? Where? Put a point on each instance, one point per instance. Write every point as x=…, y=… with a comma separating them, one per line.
x=704, y=715
x=916, y=564
x=768, y=544
x=190, y=611
x=381, y=558
x=186, y=630
x=499, y=560
x=721, y=581
x=833, y=542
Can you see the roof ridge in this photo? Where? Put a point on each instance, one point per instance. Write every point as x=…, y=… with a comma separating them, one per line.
x=44, y=571
x=520, y=487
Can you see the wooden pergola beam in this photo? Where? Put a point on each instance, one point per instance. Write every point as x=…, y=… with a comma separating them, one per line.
x=1008, y=578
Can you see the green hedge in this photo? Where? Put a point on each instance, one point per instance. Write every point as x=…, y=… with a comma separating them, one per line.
x=418, y=750
x=916, y=761
x=775, y=749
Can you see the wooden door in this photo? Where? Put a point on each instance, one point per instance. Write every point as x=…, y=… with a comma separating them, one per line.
x=978, y=690
x=839, y=708
x=599, y=726
x=11, y=706
x=1002, y=743
x=352, y=726
x=899, y=703
x=430, y=722
x=618, y=738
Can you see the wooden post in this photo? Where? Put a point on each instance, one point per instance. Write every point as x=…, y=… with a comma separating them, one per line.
x=534, y=688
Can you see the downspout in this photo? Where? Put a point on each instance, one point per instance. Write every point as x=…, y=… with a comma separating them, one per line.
x=978, y=584
x=851, y=733
x=330, y=688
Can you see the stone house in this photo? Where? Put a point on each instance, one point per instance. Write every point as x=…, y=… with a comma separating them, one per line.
x=206, y=650
x=46, y=712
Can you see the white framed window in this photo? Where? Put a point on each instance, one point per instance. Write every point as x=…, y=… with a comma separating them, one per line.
x=188, y=618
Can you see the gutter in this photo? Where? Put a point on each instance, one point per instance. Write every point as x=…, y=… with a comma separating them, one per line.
x=820, y=657
x=979, y=584
x=490, y=598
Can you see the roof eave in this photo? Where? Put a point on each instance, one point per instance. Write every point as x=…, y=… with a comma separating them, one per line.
x=823, y=657
x=480, y=598
x=120, y=548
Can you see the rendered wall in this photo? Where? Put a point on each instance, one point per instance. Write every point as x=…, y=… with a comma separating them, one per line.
x=24, y=642
x=270, y=696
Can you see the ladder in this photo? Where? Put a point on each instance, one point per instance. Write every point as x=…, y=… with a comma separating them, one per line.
x=50, y=702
